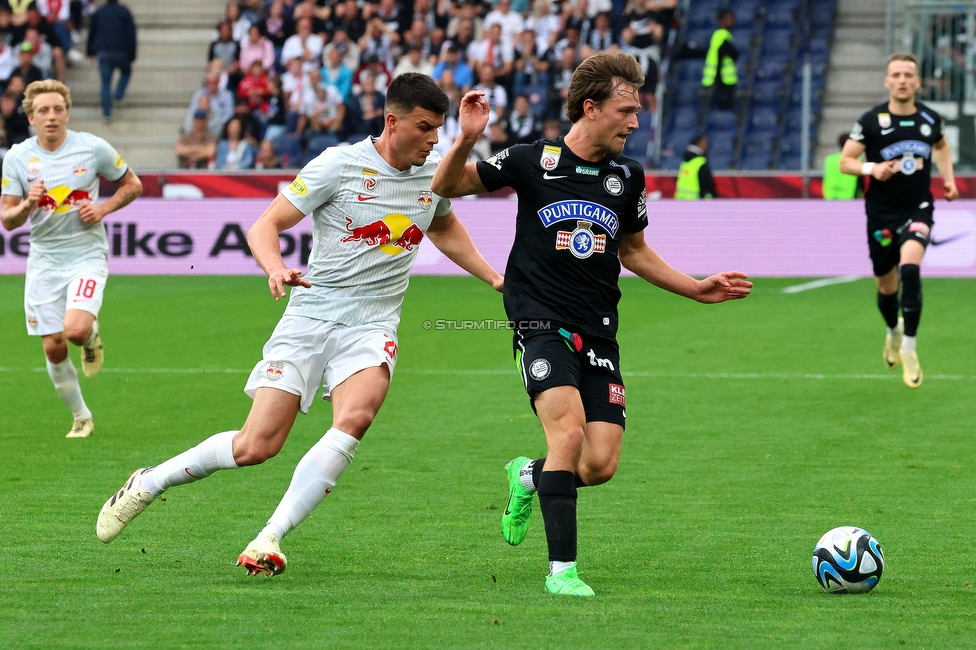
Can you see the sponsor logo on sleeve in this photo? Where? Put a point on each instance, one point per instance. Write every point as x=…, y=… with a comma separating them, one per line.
x=642, y=205
x=298, y=186
x=550, y=157
x=857, y=132
x=928, y=118
x=5, y=182
x=119, y=162
x=884, y=120
x=624, y=168
x=275, y=370
x=496, y=160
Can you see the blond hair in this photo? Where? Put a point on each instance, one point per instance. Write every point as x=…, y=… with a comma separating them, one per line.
x=902, y=56
x=596, y=78
x=36, y=88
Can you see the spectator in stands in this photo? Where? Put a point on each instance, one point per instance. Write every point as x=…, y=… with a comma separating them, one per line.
x=318, y=12
x=277, y=27
x=511, y=22
x=601, y=36
x=8, y=61
x=293, y=83
x=413, y=61
x=112, y=38
x=35, y=21
x=377, y=42
x=493, y=52
x=239, y=25
x=221, y=105
x=228, y=51
x=464, y=38
x=450, y=88
x=419, y=37
x=323, y=108
x=57, y=13
x=694, y=176
x=15, y=122
x=43, y=56
x=367, y=109
x=381, y=74
x=720, y=63
x=576, y=16
x=255, y=79
x=251, y=127
x=642, y=36
x=336, y=74
x=466, y=26
x=196, y=149
x=349, y=20
x=836, y=184
x=7, y=27
x=560, y=75
x=258, y=48
x=389, y=14
x=16, y=87
x=26, y=69
x=450, y=60
x=530, y=69
x=266, y=157
x=546, y=22
x=523, y=126
x=234, y=151
x=571, y=38
x=304, y=46
x=495, y=93
x=348, y=50
x=274, y=111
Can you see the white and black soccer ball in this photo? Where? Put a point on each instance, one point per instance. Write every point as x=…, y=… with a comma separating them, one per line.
x=848, y=560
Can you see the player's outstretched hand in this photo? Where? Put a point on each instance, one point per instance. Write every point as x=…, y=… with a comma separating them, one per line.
x=473, y=113
x=286, y=278
x=35, y=193
x=724, y=286
x=951, y=191
x=90, y=213
x=885, y=170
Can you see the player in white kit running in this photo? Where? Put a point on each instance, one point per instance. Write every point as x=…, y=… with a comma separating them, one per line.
x=371, y=205
x=52, y=180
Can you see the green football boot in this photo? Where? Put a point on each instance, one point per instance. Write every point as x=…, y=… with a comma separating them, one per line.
x=515, y=519
x=567, y=582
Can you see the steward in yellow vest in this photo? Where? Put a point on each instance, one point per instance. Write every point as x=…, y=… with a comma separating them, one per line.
x=694, y=176
x=720, y=62
x=836, y=184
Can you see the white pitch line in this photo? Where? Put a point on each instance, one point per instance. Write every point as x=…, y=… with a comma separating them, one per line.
x=816, y=284
x=661, y=375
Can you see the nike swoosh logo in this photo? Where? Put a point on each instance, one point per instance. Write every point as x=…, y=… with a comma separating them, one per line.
x=366, y=198
x=887, y=131
x=551, y=178
x=947, y=239
x=508, y=506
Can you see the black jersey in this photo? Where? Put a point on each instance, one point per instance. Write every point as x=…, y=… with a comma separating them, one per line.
x=571, y=215
x=908, y=137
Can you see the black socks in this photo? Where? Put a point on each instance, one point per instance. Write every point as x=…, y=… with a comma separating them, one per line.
x=557, y=499
x=911, y=297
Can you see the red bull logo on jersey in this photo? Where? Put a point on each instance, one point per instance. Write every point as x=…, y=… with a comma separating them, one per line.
x=392, y=234
x=61, y=199
x=425, y=200
x=79, y=170
x=275, y=371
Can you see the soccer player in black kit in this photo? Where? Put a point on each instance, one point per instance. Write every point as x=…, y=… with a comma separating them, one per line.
x=581, y=214
x=900, y=139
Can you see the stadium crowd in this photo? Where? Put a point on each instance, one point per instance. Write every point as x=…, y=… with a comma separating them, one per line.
x=286, y=79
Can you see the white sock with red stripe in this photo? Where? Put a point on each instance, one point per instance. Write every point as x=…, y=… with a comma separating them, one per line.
x=65, y=379
x=316, y=474
x=216, y=452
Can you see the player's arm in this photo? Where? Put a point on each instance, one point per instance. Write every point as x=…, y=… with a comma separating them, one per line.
x=130, y=189
x=636, y=256
x=453, y=177
x=849, y=163
x=450, y=237
x=942, y=157
x=262, y=238
x=14, y=209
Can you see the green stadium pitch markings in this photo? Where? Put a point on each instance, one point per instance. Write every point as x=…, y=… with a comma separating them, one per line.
x=817, y=284
x=475, y=372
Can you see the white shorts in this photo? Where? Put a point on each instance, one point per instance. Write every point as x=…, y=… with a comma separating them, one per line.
x=305, y=353
x=50, y=292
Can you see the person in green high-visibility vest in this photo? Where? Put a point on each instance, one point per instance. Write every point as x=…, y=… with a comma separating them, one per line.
x=694, y=176
x=720, y=63
x=838, y=186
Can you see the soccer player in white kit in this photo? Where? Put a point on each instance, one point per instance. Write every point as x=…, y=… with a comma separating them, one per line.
x=52, y=180
x=371, y=205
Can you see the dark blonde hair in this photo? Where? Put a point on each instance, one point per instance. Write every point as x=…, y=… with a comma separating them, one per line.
x=36, y=88
x=902, y=56
x=596, y=78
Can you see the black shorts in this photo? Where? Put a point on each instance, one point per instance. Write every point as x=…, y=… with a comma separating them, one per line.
x=886, y=236
x=550, y=358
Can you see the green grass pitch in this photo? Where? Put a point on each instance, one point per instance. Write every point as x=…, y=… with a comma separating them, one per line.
x=754, y=427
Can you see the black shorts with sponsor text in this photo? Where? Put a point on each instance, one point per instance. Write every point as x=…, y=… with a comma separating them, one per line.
x=887, y=234
x=558, y=357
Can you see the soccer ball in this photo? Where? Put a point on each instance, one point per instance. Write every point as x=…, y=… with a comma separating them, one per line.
x=848, y=560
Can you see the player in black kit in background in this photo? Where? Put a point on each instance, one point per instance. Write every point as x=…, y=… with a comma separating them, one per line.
x=900, y=139
x=581, y=214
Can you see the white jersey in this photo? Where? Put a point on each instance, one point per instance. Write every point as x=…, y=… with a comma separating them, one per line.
x=368, y=220
x=71, y=175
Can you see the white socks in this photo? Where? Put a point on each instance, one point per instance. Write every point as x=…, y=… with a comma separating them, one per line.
x=316, y=474
x=525, y=477
x=216, y=452
x=93, y=334
x=65, y=379
x=908, y=344
x=558, y=567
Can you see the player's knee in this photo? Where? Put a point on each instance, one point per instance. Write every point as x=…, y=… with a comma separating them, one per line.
x=355, y=422
x=598, y=473
x=911, y=275
x=55, y=348
x=76, y=335
x=253, y=448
